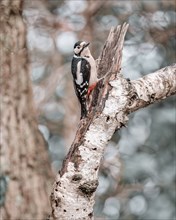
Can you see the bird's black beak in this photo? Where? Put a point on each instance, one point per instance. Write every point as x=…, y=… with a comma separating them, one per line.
x=86, y=45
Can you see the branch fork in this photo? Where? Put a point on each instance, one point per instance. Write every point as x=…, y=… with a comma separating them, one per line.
x=113, y=99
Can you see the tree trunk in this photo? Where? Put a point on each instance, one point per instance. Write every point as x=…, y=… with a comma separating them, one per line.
x=114, y=98
x=25, y=169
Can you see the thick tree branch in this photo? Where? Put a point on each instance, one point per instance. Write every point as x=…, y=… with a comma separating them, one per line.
x=114, y=98
x=153, y=87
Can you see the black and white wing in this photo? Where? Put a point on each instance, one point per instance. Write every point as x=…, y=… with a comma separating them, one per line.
x=81, y=75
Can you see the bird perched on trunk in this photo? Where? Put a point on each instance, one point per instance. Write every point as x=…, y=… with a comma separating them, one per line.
x=84, y=73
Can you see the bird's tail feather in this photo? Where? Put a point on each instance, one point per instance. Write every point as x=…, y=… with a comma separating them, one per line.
x=83, y=110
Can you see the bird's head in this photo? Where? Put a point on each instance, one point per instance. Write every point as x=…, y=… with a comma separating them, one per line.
x=81, y=49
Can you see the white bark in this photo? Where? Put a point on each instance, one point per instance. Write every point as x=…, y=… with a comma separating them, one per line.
x=154, y=87
x=75, y=185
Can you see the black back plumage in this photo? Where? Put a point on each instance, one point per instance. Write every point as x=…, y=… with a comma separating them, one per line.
x=81, y=89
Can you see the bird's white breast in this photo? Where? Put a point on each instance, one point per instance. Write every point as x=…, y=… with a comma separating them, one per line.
x=93, y=74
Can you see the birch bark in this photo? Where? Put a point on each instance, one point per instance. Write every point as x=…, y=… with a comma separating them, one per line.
x=114, y=98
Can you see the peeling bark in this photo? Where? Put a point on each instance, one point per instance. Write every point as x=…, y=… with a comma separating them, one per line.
x=113, y=99
x=25, y=168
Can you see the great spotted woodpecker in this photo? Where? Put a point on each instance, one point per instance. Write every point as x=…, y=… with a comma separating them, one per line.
x=84, y=73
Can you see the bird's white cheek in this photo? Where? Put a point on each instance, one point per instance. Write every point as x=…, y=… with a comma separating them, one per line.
x=76, y=50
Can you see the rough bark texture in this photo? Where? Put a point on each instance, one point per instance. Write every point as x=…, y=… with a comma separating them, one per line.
x=153, y=87
x=25, y=168
x=114, y=98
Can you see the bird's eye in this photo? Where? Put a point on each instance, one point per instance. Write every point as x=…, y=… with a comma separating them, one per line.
x=78, y=47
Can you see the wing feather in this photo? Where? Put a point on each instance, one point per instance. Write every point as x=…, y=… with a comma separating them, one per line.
x=81, y=89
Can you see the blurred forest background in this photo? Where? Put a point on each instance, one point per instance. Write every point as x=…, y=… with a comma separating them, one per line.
x=147, y=147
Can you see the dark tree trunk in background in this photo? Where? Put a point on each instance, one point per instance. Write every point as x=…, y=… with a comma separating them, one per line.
x=25, y=169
